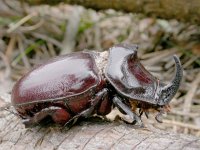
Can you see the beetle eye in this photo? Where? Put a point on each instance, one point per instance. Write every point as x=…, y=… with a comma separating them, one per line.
x=133, y=57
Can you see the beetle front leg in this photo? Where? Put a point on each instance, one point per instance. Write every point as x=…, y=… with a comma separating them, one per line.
x=159, y=116
x=120, y=105
x=162, y=111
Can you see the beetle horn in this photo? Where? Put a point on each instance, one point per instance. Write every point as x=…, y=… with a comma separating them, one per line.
x=169, y=91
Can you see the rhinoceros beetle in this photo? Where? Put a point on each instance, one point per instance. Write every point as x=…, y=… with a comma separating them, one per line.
x=84, y=83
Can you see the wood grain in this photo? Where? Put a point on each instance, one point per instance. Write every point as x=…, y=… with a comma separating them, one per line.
x=90, y=134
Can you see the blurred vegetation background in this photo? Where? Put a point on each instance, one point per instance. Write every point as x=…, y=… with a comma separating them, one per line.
x=30, y=35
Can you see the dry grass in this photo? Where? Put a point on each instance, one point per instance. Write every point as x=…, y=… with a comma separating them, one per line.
x=31, y=35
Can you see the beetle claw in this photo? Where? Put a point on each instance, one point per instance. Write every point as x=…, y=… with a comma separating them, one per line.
x=136, y=121
x=159, y=117
x=139, y=122
x=146, y=114
x=141, y=113
x=71, y=122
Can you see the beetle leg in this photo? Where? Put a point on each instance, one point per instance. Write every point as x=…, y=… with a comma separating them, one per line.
x=58, y=115
x=88, y=112
x=37, y=118
x=120, y=105
x=162, y=110
x=146, y=114
x=159, y=116
x=141, y=112
x=144, y=111
x=105, y=106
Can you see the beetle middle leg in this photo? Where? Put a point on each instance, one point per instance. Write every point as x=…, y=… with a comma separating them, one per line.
x=96, y=101
x=120, y=105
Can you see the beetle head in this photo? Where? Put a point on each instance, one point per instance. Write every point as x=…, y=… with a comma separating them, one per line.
x=130, y=78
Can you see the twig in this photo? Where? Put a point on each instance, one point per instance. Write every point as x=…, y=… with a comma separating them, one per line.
x=51, y=49
x=190, y=94
x=24, y=57
x=71, y=31
x=189, y=62
x=184, y=125
x=156, y=59
x=181, y=113
x=47, y=38
x=10, y=47
x=8, y=70
x=33, y=27
x=22, y=21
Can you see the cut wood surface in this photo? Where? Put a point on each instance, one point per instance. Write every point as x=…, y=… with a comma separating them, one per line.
x=88, y=135
x=169, y=9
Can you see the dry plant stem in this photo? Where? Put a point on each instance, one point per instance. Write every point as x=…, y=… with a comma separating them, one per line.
x=97, y=38
x=24, y=57
x=153, y=54
x=169, y=9
x=180, y=124
x=10, y=47
x=33, y=27
x=22, y=21
x=159, y=57
x=71, y=31
x=189, y=62
x=190, y=94
x=47, y=38
x=181, y=113
x=51, y=49
x=7, y=64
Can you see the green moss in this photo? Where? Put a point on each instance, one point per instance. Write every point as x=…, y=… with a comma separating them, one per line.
x=84, y=25
x=8, y=20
